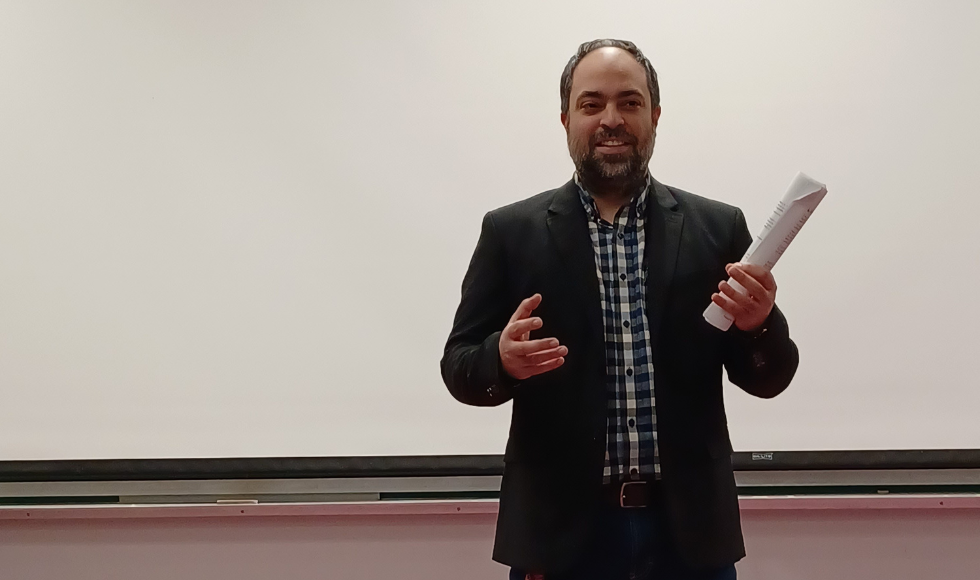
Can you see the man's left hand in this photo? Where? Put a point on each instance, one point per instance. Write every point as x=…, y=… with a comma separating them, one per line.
x=751, y=310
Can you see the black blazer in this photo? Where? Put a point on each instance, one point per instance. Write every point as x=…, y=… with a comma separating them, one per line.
x=555, y=452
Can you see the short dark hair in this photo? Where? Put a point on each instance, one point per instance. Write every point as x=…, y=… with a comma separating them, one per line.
x=587, y=47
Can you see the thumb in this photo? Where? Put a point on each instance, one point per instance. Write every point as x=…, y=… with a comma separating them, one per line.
x=526, y=307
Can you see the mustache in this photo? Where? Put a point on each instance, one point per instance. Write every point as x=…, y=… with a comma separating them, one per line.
x=618, y=135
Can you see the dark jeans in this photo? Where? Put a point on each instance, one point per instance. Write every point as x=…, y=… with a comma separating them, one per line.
x=632, y=544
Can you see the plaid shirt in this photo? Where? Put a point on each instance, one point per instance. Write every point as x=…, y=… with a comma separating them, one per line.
x=631, y=417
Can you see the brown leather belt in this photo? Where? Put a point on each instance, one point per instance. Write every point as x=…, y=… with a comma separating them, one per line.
x=632, y=494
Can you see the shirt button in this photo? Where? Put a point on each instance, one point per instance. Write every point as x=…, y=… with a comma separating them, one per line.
x=634, y=470
x=632, y=423
x=626, y=323
x=620, y=236
x=629, y=372
x=622, y=276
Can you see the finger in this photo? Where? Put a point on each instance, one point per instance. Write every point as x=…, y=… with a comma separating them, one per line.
x=546, y=366
x=728, y=305
x=532, y=346
x=546, y=355
x=514, y=330
x=526, y=307
x=749, y=282
x=761, y=275
x=742, y=300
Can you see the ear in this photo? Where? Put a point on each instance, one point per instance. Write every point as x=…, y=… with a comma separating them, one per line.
x=564, y=121
x=656, y=115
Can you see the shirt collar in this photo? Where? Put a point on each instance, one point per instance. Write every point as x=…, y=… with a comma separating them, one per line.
x=638, y=204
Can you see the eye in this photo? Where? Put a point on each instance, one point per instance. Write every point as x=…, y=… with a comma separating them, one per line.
x=633, y=104
x=590, y=106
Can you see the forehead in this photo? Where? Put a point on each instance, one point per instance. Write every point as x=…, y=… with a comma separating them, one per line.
x=609, y=70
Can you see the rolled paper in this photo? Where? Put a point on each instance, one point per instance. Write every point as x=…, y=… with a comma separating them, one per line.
x=802, y=197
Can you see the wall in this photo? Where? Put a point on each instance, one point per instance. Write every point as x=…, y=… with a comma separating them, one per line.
x=808, y=542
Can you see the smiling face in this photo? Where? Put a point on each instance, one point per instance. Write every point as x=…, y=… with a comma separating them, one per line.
x=611, y=124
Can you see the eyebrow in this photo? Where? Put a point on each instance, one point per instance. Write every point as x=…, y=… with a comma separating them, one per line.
x=627, y=93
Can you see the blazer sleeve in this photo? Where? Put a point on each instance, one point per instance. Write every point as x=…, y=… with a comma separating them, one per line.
x=470, y=364
x=761, y=365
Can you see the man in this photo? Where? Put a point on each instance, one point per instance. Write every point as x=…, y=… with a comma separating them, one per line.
x=583, y=305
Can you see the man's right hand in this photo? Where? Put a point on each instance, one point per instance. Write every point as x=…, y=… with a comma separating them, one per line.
x=521, y=357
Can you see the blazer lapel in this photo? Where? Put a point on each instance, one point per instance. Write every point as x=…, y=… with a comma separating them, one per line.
x=663, y=236
x=569, y=229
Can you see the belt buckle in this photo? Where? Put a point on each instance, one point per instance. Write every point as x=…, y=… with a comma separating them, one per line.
x=622, y=493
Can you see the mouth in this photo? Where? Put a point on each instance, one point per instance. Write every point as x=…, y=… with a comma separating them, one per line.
x=612, y=146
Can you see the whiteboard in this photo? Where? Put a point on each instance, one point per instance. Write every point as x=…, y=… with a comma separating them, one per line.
x=239, y=228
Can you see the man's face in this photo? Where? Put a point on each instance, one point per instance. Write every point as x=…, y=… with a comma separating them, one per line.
x=610, y=123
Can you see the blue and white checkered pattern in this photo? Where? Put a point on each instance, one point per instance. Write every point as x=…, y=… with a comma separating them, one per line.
x=631, y=420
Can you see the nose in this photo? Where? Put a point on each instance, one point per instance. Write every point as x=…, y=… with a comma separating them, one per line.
x=611, y=118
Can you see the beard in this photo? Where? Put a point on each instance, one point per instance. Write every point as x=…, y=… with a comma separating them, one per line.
x=601, y=172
